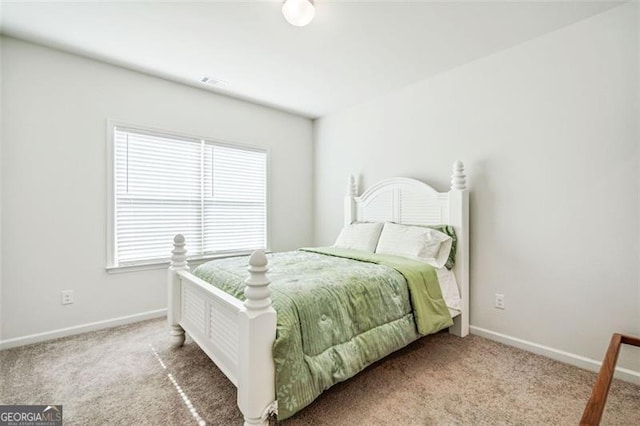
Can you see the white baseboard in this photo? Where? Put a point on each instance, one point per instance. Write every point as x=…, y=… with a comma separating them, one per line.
x=562, y=356
x=77, y=329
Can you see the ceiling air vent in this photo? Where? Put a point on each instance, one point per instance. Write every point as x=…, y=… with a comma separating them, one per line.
x=212, y=81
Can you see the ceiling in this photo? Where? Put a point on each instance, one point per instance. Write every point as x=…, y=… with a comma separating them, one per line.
x=351, y=52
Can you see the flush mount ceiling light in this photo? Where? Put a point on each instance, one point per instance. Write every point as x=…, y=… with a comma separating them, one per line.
x=298, y=12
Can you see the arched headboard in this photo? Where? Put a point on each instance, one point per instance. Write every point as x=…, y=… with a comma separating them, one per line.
x=411, y=202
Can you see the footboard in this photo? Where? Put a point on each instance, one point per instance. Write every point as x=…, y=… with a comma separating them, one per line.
x=237, y=336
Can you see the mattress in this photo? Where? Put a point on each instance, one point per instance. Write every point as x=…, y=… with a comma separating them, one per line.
x=450, y=290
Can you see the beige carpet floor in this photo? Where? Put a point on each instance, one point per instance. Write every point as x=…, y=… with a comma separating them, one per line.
x=130, y=376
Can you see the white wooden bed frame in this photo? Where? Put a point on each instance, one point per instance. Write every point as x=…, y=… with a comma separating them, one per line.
x=238, y=336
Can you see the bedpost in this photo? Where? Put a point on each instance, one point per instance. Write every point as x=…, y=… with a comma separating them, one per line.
x=174, y=311
x=349, y=201
x=257, y=331
x=459, y=218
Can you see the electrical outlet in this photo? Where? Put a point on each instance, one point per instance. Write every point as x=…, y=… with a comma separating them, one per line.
x=67, y=297
x=499, y=302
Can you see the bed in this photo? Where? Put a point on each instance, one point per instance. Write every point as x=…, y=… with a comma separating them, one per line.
x=238, y=330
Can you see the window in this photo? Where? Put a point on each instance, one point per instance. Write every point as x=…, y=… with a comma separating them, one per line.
x=212, y=193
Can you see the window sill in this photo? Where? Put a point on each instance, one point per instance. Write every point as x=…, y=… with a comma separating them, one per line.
x=194, y=261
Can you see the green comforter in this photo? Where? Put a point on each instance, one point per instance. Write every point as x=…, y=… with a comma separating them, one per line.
x=336, y=316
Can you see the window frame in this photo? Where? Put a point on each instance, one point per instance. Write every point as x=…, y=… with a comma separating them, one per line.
x=111, y=265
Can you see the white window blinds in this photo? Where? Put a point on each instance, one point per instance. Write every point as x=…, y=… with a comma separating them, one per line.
x=213, y=194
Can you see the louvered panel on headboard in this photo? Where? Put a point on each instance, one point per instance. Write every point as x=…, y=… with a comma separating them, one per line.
x=378, y=209
x=416, y=209
x=403, y=200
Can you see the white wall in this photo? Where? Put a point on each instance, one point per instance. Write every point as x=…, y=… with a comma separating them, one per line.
x=54, y=110
x=549, y=133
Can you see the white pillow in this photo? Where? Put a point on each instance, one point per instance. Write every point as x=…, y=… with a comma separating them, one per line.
x=359, y=236
x=415, y=242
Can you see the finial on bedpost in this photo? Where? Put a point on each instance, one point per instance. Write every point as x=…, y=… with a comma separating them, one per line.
x=179, y=253
x=257, y=290
x=349, y=201
x=458, y=178
x=174, y=313
x=352, y=187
